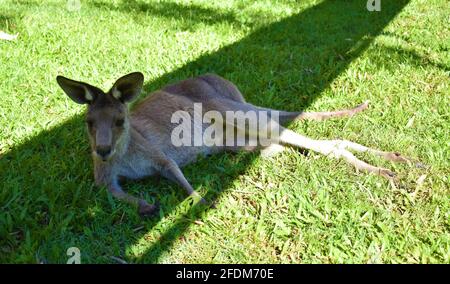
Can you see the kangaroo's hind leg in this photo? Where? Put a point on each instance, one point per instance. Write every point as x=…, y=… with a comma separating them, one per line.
x=282, y=117
x=273, y=136
x=340, y=149
x=280, y=136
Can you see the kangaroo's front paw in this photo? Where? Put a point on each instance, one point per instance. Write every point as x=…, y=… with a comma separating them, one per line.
x=147, y=210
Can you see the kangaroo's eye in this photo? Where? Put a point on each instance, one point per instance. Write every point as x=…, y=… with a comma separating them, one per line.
x=120, y=122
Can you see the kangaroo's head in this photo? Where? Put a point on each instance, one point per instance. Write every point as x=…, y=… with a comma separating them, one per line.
x=107, y=114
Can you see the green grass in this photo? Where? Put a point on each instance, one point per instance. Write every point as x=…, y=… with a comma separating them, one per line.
x=293, y=208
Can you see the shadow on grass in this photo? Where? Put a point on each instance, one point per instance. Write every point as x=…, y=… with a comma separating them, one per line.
x=297, y=57
x=401, y=55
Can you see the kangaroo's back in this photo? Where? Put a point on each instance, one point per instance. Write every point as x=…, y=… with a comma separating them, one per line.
x=153, y=117
x=182, y=95
x=206, y=87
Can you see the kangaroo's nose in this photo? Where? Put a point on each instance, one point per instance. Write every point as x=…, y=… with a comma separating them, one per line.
x=103, y=151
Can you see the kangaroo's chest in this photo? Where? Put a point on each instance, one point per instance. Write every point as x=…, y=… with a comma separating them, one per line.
x=135, y=167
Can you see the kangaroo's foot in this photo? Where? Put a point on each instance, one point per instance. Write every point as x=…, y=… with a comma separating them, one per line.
x=342, y=149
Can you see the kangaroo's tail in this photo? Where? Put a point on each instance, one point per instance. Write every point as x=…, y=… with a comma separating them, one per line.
x=286, y=116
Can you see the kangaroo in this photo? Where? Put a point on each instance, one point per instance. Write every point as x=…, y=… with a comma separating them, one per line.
x=137, y=144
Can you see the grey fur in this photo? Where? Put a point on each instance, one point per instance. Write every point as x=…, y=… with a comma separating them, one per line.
x=140, y=146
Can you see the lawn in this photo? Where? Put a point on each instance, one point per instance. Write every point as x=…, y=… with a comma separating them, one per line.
x=292, y=208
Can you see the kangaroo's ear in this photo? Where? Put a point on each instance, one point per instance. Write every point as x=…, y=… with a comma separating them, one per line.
x=79, y=92
x=128, y=87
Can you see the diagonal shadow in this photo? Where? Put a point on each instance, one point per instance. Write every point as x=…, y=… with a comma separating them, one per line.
x=299, y=55
x=412, y=57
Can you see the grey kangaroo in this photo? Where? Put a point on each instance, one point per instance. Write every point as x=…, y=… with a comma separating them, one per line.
x=137, y=144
